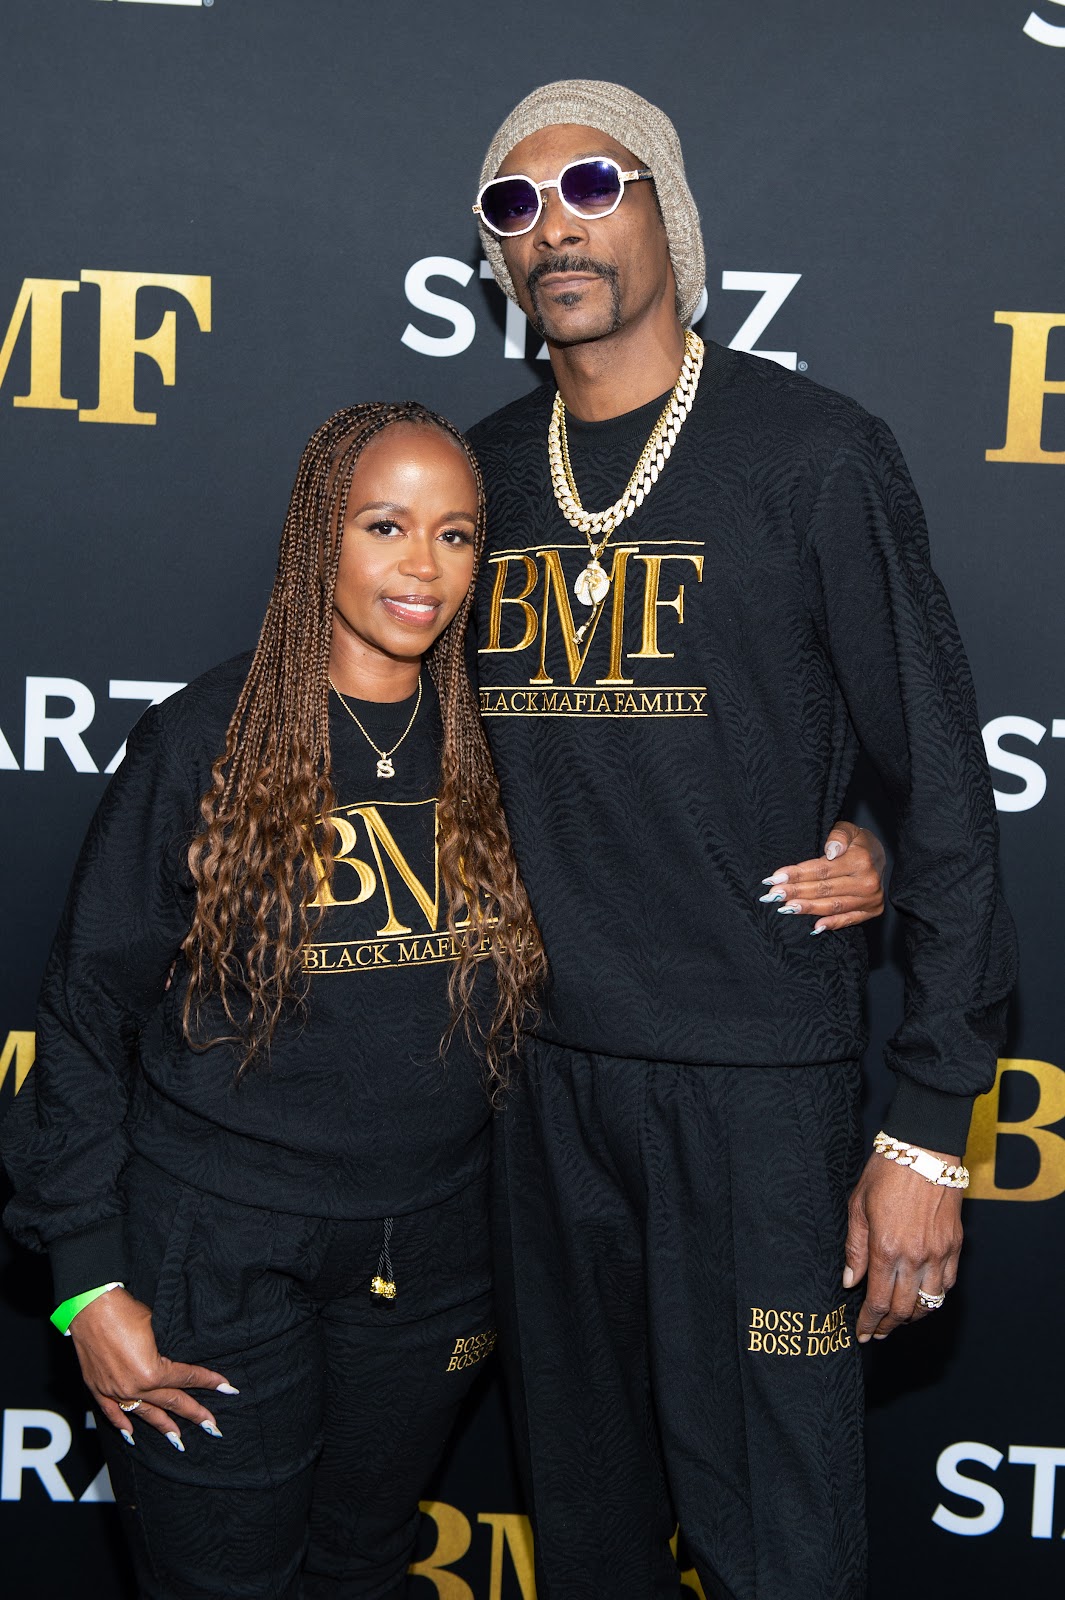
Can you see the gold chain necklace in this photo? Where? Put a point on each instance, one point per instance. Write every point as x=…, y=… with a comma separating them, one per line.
x=592, y=583
x=385, y=769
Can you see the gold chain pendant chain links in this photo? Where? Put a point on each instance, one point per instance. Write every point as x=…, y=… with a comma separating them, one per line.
x=385, y=769
x=592, y=583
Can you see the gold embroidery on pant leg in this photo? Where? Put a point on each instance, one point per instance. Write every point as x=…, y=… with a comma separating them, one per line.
x=772, y=1332
x=469, y=1351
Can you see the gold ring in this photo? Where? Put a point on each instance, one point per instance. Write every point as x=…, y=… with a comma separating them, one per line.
x=931, y=1302
x=130, y=1405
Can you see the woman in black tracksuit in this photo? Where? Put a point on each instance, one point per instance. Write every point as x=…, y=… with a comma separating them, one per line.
x=269, y=1155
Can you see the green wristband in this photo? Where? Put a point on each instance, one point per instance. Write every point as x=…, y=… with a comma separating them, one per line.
x=64, y=1315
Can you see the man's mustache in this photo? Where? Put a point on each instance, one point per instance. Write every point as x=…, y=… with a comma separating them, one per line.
x=569, y=264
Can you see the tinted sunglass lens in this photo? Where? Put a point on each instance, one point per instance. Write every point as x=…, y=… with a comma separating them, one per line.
x=509, y=204
x=591, y=187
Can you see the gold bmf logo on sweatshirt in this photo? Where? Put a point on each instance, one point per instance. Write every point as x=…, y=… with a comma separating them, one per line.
x=593, y=663
x=384, y=894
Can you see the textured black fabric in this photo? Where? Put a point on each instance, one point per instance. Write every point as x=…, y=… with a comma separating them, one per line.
x=345, y=1402
x=82, y=1261
x=772, y=606
x=674, y=1327
x=354, y=1115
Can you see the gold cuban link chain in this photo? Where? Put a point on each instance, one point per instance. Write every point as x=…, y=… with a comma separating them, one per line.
x=592, y=583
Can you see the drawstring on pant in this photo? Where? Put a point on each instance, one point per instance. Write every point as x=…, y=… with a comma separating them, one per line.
x=383, y=1285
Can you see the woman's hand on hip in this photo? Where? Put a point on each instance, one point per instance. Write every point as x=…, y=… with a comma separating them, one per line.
x=843, y=887
x=120, y=1362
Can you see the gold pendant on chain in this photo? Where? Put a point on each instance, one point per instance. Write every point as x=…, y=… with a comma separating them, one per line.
x=385, y=769
x=591, y=585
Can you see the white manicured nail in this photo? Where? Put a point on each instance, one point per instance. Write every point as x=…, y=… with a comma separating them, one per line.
x=788, y=911
x=209, y=1427
x=227, y=1388
x=175, y=1440
x=127, y=1436
x=815, y=931
x=778, y=877
x=774, y=897
x=833, y=849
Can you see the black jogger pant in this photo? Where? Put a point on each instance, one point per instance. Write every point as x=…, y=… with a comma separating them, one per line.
x=345, y=1402
x=669, y=1251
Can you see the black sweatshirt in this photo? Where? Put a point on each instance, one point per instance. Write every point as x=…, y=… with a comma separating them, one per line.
x=772, y=606
x=355, y=1115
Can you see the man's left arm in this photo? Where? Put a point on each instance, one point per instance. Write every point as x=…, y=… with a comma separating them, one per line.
x=902, y=670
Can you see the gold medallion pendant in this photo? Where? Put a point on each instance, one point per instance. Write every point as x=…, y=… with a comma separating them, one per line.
x=591, y=584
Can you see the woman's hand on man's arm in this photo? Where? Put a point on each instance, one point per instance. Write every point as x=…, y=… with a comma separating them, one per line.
x=843, y=887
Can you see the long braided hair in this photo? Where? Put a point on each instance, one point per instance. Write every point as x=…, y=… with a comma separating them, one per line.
x=266, y=842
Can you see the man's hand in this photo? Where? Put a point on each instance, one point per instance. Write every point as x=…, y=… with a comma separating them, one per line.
x=907, y=1233
x=119, y=1361
x=843, y=887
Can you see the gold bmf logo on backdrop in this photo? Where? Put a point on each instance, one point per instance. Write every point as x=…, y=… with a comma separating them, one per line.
x=40, y=305
x=511, y=1566
x=17, y=1055
x=1032, y=1135
x=1030, y=386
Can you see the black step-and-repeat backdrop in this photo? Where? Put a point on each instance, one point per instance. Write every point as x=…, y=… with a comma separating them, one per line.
x=222, y=220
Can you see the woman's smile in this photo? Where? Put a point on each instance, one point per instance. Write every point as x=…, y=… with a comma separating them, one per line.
x=413, y=610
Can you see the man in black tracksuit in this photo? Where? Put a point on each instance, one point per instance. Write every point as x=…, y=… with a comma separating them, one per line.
x=676, y=1167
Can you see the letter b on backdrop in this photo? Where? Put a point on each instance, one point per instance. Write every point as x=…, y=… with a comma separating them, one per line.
x=982, y=1149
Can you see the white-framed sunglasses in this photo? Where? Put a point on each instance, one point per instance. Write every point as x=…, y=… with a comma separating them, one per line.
x=590, y=189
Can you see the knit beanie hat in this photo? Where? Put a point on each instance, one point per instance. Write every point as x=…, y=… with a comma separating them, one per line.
x=641, y=128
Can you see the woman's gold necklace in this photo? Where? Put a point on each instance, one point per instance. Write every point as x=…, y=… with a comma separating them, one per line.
x=385, y=769
x=592, y=582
